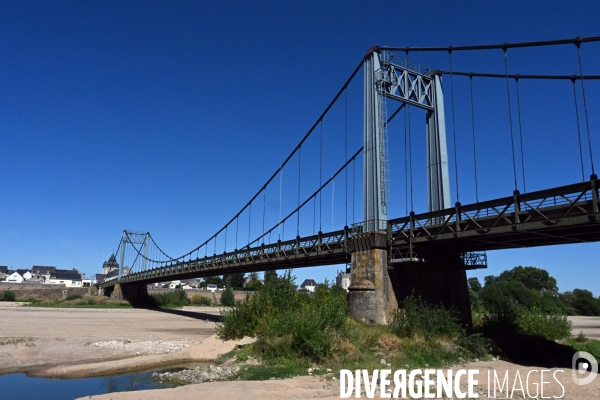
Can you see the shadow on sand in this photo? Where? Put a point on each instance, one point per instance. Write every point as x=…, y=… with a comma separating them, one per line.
x=530, y=351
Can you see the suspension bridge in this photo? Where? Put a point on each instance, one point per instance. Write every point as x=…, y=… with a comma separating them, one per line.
x=423, y=252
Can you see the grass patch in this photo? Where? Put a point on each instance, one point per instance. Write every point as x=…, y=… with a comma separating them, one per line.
x=15, y=340
x=87, y=302
x=592, y=346
x=266, y=372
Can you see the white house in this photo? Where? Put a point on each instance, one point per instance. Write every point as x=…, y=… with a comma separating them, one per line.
x=67, y=278
x=14, y=277
x=309, y=284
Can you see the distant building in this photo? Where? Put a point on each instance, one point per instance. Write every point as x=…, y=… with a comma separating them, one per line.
x=309, y=284
x=3, y=271
x=34, y=278
x=45, y=271
x=110, y=265
x=14, y=277
x=343, y=280
x=67, y=278
x=98, y=278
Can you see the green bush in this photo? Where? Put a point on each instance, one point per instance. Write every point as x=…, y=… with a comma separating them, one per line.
x=416, y=317
x=176, y=298
x=198, y=300
x=74, y=297
x=550, y=325
x=501, y=315
x=227, y=297
x=474, y=345
x=8, y=295
x=291, y=324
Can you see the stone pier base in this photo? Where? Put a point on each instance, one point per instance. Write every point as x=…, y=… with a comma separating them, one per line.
x=134, y=293
x=370, y=294
x=378, y=285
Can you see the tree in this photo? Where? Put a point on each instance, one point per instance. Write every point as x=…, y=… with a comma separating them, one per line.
x=227, y=298
x=532, y=277
x=237, y=279
x=494, y=296
x=216, y=280
x=474, y=284
x=489, y=280
x=584, y=303
x=270, y=277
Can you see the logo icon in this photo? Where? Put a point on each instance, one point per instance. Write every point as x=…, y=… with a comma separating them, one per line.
x=582, y=363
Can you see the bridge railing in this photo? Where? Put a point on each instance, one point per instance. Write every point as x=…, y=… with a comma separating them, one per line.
x=547, y=206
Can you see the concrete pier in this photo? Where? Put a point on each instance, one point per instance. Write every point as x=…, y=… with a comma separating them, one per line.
x=378, y=285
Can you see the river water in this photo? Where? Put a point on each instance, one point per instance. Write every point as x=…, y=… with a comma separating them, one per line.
x=22, y=387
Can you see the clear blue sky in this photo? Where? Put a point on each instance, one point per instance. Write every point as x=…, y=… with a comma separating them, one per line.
x=168, y=116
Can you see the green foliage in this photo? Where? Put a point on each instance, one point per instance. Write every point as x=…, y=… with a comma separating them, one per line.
x=290, y=324
x=198, y=300
x=474, y=284
x=533, y=278
x=236, y=280
x=502, y=314
x=584, y=303
x=549, y=325
x=216, y=280
x=493, y=296
x=270, y=277
x=176, y=298
x=8, y=295
x=473, y=346
x=416, y=317
x=227, y=297
x=592, y=346
x=509, y=315
x=73, y=297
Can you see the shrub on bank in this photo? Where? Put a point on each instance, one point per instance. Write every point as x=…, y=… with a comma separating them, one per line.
x=416, y=317
x=290, y=324
x=509, y=315
x=73, y=297
x=176, y=298
x=8, y=295
x=199, y=300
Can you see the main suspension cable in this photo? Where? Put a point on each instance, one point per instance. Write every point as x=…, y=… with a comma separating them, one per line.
x=520, y=76
x=495, y=46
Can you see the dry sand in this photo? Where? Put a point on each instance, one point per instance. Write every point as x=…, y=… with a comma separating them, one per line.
x=59, y=345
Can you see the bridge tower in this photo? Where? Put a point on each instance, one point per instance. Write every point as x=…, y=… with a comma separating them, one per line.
x=132, y=238
x=378, y=282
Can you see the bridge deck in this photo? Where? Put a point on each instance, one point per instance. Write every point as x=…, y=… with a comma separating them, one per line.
x=567, y=214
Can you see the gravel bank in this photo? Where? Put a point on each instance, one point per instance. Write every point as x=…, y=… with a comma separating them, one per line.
x=196, y=375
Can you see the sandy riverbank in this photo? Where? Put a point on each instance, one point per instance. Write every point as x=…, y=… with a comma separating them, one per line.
x=60, y=343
